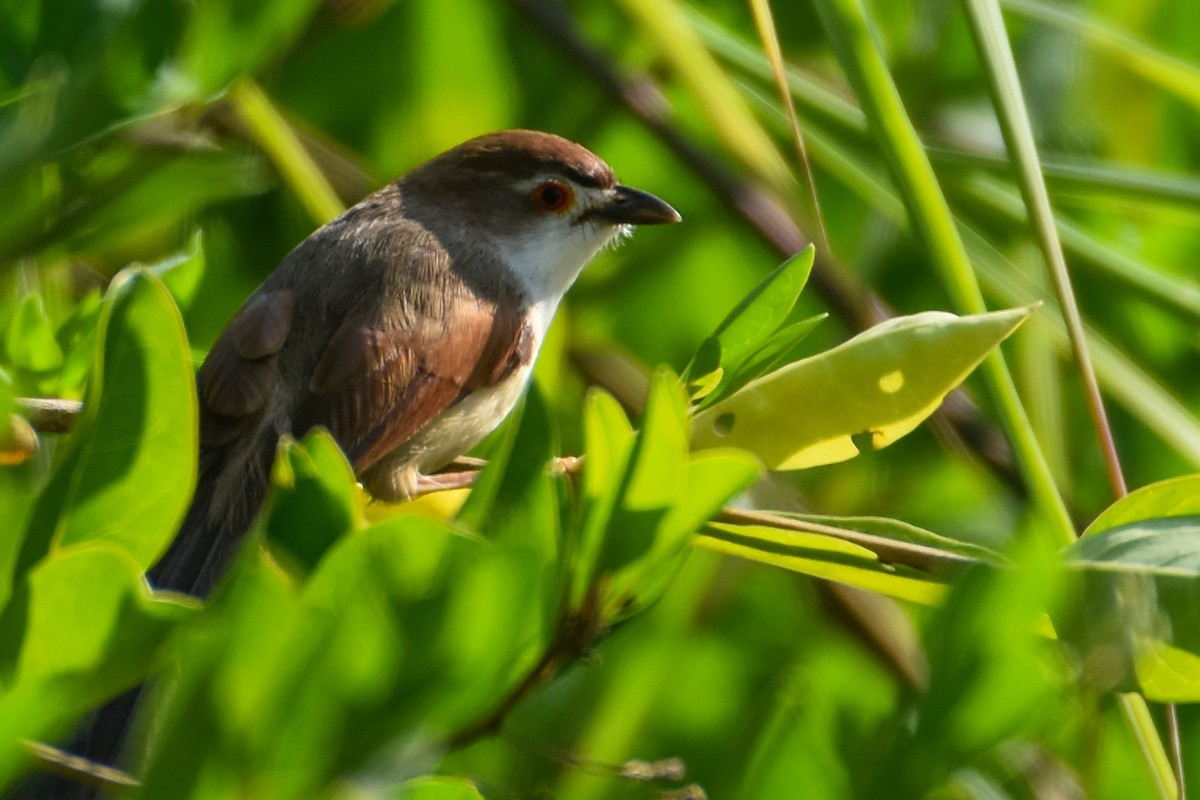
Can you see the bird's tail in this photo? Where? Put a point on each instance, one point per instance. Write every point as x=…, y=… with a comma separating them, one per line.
x=232, y=485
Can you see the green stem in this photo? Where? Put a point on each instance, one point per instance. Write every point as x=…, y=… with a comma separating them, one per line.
x=846, y=24
x=277, y=139
x=987, y=26
x=991, y=38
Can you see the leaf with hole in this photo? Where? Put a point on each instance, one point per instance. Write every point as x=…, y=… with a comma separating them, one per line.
x=872, y=389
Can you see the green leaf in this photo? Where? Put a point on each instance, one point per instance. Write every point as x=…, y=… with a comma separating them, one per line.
x=30, y=344
x=313, y=502
x=654, y=497
x=1174, y=497
x=779, y=349
x=653, y=480
x=704, y=374
x=990, y=678
x=405, y=632
x=1140, y=605
x=515, y=502
x=182, y=272
x=515, y=499
x=764, y=309
x=821, y=557
x=225, y=38
x=82, y=628
x=881, y=383
x=130, y=467
x=746, y=329
x=438, y=788
x=247, y=650
x=860, y=52
x=608, y=441
x=77, y=337
x=713, y=478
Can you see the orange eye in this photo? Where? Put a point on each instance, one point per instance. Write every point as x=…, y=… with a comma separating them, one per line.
x=553, y=197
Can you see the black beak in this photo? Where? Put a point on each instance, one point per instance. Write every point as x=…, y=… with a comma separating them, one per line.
x=628, y=206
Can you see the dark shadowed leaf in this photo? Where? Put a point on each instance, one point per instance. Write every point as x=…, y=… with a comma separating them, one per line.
x=313, y=501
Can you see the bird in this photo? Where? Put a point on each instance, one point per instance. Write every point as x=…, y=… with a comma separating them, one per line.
x=407, y=327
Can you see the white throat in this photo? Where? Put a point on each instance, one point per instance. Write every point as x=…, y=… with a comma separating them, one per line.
x=548, y=263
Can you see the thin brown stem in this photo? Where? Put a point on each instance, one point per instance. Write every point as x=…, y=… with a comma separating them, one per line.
x=80, y=770
x=49, y=414
x=765, y=22
x=1175, y=743
x=576, y=633
x=889, y=551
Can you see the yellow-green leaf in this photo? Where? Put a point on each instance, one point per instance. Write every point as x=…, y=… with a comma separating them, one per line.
x=1175, y=497
x=821, y=557
x=878, y=386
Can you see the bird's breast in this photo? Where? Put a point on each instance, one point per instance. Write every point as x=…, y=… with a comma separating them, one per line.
x=464, y=424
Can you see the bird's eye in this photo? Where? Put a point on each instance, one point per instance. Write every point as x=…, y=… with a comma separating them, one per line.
x=553, y=197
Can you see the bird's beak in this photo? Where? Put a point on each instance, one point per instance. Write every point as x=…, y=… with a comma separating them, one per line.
x=628, y=206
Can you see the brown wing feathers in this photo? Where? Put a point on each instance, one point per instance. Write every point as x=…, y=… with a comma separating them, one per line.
x=241, y=371
x=375, y=388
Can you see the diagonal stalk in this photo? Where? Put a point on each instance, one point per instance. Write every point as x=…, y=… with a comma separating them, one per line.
x=991, y=38
x=846, y=25
x=987, y=26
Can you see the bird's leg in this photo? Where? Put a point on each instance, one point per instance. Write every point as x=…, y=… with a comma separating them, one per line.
x=392, y=480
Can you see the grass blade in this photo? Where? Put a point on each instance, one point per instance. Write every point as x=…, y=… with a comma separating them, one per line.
x=846, y=24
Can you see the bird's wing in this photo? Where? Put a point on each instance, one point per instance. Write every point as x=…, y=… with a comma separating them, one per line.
x=376, y=384
x=241, y=373
x=414, y=339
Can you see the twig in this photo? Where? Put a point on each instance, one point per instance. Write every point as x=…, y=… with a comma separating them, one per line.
x=1175, y=743
x=889, y=551
x=49, y=415
x=80, y=770
x=576, y=633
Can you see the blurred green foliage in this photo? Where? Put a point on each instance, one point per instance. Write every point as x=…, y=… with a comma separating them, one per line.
x=555, y=629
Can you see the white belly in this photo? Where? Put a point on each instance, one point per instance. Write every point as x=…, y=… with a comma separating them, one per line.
x=452, y=433
x=459, y=428
x=462, y=426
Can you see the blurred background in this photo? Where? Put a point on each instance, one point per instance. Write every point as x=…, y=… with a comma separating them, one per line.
x=207, y=138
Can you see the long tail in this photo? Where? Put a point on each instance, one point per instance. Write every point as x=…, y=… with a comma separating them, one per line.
x=230, y=491
x=232, y=485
